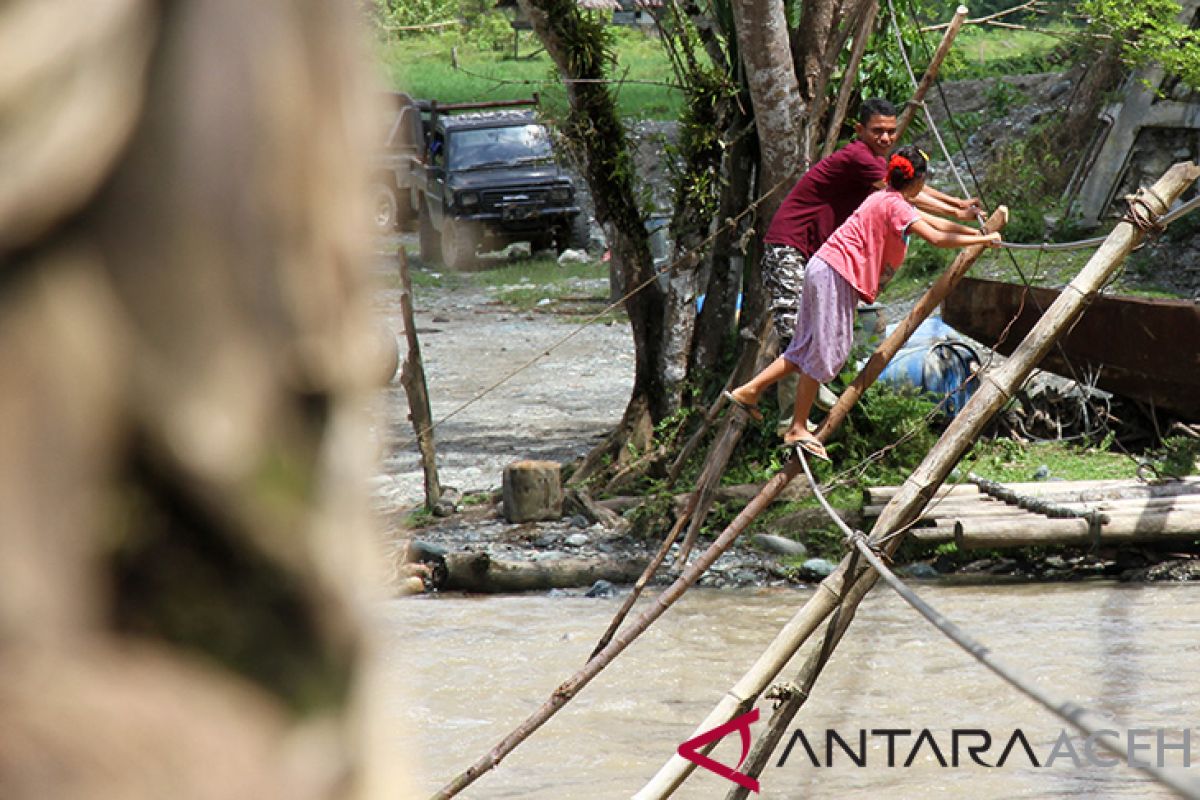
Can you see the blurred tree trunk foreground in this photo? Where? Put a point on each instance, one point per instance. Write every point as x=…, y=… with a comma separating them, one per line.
x=182, y=385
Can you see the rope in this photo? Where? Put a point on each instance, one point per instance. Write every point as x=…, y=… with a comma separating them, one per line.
x=1079, y=717
x=929, y=117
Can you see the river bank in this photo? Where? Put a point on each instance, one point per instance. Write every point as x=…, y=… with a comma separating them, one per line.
x=569, y=397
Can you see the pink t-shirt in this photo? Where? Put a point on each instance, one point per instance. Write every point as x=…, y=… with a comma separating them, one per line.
x=870, y=245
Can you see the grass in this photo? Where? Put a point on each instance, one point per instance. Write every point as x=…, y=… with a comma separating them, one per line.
x=528, y=284
x=986, y=52
x=1007, y=461
x=423, y=67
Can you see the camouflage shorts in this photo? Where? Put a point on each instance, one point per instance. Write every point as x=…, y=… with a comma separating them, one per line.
x=783, y=277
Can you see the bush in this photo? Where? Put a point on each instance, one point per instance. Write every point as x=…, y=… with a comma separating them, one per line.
x=889, y=432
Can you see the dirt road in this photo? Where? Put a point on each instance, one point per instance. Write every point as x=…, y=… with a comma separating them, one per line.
x=556, y=409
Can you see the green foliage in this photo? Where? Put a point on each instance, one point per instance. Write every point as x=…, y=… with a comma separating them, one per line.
x=413, y=12
x=422, y=66
x=996, y=53
x=924, y=261
x=491, y=31
x=1028, y=175
x=1002, y=96
x=1178, y=456
x=888, y=433
x=882, y=72
x=1150, y=32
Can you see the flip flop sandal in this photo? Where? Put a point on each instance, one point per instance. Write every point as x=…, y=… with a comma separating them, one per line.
x=809, y=445
x=751, y=410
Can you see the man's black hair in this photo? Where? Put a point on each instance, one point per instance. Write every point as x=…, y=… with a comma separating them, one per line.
x=875, y=107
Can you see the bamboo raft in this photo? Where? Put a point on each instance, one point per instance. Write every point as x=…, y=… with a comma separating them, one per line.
x=1054, y=512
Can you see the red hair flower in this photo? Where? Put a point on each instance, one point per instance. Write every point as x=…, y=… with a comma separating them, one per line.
x=903, y=164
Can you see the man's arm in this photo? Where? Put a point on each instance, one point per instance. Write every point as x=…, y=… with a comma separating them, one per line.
x=936, y=202
x=945, y=225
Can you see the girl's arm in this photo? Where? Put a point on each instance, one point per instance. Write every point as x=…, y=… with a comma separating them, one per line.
x=942, y=238
x=945, y=225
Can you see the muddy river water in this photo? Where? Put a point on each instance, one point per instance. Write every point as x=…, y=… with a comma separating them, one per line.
x=463, y=671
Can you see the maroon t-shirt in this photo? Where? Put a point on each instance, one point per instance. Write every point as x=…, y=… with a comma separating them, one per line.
x=826, y=197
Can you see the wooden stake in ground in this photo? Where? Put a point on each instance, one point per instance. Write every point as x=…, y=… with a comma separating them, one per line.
x=847, y=585
x=918, y=98
x=412, y=378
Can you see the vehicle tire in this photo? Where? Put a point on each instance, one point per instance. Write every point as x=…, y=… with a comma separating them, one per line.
x=385, y=209
x=540, y=243
x=459, y=241
x=575, y=235
x=428, y=239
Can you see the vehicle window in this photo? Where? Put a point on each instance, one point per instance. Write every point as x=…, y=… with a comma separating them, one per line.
x=511, y=144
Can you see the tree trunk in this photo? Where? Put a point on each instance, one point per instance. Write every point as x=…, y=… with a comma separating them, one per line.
x=817, y=43
x=865, y=25
x=704, y=129
x=726, y=264
x=572, y=39
x=762, y=37
x=478, y=572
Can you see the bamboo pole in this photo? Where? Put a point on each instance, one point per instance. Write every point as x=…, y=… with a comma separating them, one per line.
x=891, y=345
x=848, y=590
x=573, y=685
x=861, y=36
x=412, y=378
x=987, y=507
x=910, y=108
x=1121, y=527
x=1085, y=491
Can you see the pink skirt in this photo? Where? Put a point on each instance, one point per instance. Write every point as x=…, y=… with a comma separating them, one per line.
x=825, y=323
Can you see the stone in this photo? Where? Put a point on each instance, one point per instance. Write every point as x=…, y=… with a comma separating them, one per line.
x=409, y=586
x=780, y=545
x=577, y=540
x=819, y=567
x=601, y=588
x=918, y=570
x=570, y=256
x=580, y=521
x=532, y=491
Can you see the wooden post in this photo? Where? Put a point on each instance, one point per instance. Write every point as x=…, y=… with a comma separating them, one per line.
x=412, y=378
x=910, y=109
x=891, y=345
x=848, y=584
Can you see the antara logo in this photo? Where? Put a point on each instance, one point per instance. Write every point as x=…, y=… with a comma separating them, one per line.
x=691, y=750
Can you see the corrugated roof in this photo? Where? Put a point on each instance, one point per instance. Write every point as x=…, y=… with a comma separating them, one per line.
x=600, y=5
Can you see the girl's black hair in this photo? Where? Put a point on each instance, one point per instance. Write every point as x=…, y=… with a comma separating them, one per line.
x=906, y=165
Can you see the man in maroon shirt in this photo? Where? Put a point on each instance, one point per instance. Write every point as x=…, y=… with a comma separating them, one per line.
x=822, y=200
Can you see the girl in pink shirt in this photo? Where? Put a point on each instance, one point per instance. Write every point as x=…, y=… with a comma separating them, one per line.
x=854, y=263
